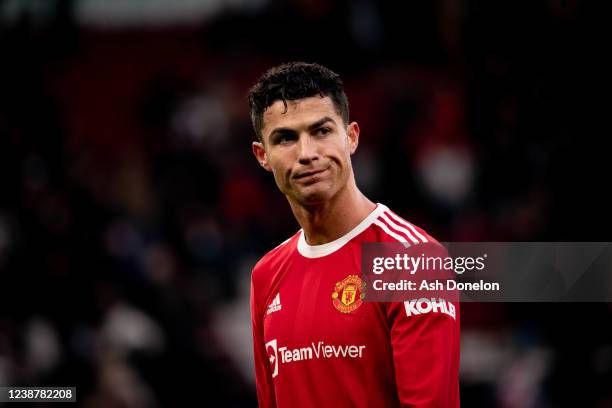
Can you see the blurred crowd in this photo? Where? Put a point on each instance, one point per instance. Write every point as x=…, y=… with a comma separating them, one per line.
x=132, y=211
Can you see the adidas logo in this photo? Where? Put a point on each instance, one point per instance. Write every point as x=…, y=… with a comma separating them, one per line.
x=275, y=306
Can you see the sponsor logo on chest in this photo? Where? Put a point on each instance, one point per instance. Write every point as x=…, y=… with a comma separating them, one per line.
x=315, y=351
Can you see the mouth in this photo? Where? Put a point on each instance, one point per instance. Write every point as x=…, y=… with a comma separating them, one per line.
x=306, y=174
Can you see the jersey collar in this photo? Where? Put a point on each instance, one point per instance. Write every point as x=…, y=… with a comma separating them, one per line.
x=318, y=251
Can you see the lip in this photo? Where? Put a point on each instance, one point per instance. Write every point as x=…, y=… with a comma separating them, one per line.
x=310, y=173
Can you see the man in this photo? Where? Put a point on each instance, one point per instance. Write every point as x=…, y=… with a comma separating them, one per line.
x=316, y=343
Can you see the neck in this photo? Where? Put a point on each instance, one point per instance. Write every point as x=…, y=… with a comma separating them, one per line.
x=328, y=221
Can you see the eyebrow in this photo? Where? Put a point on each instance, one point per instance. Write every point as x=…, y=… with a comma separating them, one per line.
x=321, y=122
x=315, y=125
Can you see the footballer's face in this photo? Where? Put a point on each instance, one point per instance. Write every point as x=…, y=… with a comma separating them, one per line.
x=308, y=149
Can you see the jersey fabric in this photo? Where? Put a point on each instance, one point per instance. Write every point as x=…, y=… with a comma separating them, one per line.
x=317, y=344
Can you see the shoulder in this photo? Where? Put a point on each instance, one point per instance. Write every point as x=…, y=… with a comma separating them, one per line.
x=391, y=227
x=274, y=258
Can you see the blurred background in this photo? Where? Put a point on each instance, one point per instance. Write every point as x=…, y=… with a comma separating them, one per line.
x=132, y=212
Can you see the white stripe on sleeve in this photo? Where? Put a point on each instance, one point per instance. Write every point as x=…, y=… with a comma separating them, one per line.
x=407, y=224
x=391, y=233
x=399, y=228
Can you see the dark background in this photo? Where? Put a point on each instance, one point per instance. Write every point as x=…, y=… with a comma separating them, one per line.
x=131, y=209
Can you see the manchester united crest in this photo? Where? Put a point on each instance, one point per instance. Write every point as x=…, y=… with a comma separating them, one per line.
x=348, y=295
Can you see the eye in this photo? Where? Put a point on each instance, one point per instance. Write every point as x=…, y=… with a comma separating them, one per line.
x=284, y=138
x=323, y=131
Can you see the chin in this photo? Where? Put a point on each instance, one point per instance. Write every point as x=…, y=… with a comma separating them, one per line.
x=315, y=196
x=312, y=200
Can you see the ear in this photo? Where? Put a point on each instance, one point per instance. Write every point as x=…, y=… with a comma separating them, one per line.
x=352, y=132
x=260, y=154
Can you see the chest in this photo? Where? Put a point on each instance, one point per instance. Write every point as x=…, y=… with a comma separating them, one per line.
x=319, y=301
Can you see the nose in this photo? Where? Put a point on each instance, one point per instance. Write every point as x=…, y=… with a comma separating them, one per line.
x=308, y=150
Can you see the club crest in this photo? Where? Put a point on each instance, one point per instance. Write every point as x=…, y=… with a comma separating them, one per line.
x=348, y=295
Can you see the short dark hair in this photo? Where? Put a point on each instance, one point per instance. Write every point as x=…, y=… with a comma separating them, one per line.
x=295, y=80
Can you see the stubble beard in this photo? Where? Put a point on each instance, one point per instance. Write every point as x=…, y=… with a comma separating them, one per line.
x=318, y=193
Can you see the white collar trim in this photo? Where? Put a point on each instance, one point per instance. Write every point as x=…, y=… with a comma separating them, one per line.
x=318, y=251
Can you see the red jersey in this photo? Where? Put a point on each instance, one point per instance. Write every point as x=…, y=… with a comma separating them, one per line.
x=317, y=344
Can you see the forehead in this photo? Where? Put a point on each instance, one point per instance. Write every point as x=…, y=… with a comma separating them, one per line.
x=299, y=113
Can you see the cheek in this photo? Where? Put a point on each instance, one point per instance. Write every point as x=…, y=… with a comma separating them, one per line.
x=342, y=156
x=280, y=180
x=281, y=173
x=348, y=162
